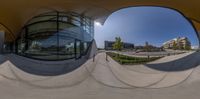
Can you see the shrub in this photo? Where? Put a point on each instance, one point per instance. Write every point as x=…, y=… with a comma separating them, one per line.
x=123, y=59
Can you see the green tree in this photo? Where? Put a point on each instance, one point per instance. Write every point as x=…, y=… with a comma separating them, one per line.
x=118, y=44
x=181, y=48
x=174, y=47
x=187, y=47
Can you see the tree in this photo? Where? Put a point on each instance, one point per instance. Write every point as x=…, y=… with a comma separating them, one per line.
x=174, y=46
x=118, y=44
x=187, y=47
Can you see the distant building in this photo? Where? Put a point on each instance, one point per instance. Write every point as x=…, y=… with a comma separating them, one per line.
x=139, y=47
x=126, y=46
x=194, y=47
x=148, y=48
x=178, y=43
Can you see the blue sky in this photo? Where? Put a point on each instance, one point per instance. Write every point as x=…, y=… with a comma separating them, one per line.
x=140, y=24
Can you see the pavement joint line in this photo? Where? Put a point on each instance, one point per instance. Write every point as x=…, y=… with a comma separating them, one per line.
x=160, y=81
x=102, y=83
x=132, y=85
x=42, y=87
x=144, y=87
x=193, y=70
x=152, y=68
x=95, y=63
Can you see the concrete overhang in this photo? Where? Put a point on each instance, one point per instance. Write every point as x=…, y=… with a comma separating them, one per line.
x=15, y=13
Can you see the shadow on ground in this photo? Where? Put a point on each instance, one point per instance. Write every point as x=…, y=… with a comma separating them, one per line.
x=187, y=62
x=3, y=59
x=45, y=68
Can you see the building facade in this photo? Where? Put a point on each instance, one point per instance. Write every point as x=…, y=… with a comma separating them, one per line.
x=126, y=46
x=53, y=43
x=180, y=43
x=56, y=36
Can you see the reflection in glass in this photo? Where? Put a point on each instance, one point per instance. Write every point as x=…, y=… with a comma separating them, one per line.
x=56, y=36
x=78, y=49
x=66, y=47
x=42, y=46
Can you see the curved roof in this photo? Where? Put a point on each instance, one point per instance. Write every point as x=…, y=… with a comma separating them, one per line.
x=15, y=13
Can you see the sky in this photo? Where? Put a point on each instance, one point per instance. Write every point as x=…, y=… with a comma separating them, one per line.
x=138, y=25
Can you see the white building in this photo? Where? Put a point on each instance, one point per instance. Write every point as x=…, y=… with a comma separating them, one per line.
x=178, y=43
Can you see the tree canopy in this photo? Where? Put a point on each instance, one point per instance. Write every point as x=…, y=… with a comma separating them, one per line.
x=118, y=44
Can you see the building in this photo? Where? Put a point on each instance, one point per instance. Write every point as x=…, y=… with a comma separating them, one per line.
x=53, y=37
x=126, y=46
x=151, y=48
x=194, y=47
x=180, y=43
x=148, y=48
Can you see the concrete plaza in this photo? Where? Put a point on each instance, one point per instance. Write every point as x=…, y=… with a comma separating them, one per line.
x=103, y=79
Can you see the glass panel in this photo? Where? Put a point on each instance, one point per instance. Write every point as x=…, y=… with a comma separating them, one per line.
x=64, y=14
x=87, y=30
x=78, y=49
x=66, y=47
x=43, y=47
x=77, y=23
x=42, y=18
x=42, y=27
x=63, y=26
x=20, y=46
x=43, y=42
x=70, y=30
x=76, y=18
x=92, y=30
x=64, y=19
x=85, y=47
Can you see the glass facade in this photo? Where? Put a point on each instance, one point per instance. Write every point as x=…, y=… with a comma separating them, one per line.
x=56, y=36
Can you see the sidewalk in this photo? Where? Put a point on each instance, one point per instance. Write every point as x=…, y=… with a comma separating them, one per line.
x=103, y=81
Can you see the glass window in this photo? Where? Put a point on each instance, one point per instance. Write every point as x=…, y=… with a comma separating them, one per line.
x=42, y=27
x=64, y=19
x=70, y=30
x=50, y=39
x=78, y=49
x=66, y=47
x=85, y=47
x=21, y=46
x=63, y=26
x=77, y=23
x=43, y=47
x=76, y=18
x=42, y=18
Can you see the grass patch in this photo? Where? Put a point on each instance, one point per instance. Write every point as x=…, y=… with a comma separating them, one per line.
x=130, y=60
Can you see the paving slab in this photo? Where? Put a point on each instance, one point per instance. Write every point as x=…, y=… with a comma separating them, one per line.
x=69, y=79
x=91, y=89
x=133, y=78
x=167, y=59
x=102, y=74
